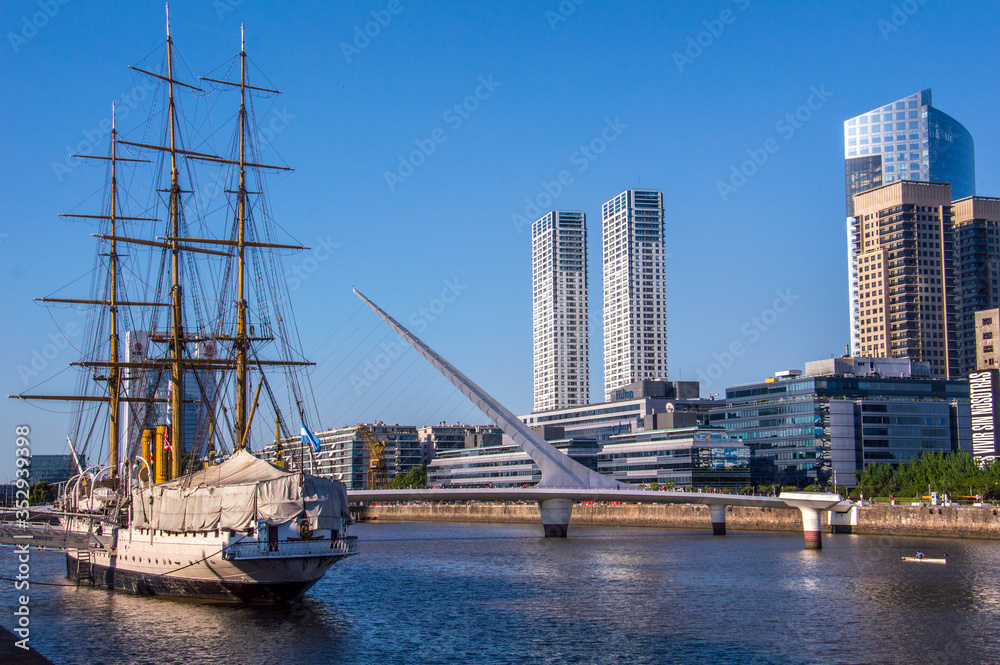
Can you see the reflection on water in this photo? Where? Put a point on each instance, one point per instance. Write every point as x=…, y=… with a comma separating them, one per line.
x=460, y=593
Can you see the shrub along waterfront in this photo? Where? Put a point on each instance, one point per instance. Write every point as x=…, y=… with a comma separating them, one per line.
x=951, y=473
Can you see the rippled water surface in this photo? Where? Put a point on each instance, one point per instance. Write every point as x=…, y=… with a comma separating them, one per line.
x=472, y=593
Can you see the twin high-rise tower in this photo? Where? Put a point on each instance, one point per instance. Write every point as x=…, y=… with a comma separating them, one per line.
x=559, y=310
x=635, y=319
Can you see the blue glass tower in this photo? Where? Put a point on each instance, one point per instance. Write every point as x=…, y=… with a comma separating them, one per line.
x=906, y=140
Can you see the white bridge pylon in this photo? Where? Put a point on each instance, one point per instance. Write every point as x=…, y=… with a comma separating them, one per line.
x=558, y=470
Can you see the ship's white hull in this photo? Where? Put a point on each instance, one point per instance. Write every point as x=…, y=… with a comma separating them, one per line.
x=204, y=566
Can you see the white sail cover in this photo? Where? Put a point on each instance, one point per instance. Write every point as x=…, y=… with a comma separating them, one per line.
x=237, y=494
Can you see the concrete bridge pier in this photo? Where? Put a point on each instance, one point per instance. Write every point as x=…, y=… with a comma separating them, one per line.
x=555, y=516
x=718, y=519
x=811, y=528
x=810, y=504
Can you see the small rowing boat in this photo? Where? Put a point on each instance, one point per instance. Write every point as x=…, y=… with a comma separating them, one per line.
x=918, y=559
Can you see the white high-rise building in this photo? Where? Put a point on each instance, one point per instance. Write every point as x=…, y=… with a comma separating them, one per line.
x=559, y=310
x=635, y=300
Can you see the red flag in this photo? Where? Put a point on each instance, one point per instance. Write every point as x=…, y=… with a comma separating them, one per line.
x=166, y=440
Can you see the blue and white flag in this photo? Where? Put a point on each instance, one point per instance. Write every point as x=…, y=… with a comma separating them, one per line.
x=309, y=437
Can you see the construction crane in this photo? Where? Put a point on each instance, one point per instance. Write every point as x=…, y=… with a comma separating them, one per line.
x=378, y=473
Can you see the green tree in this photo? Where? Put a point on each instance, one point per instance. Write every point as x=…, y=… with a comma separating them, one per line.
x=954, y=473
x=415, y=478
x=41, y=493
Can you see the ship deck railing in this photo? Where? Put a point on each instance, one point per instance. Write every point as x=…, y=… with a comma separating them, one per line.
x=284, y=549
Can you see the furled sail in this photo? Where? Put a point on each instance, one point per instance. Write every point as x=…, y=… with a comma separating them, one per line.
x=237, y=494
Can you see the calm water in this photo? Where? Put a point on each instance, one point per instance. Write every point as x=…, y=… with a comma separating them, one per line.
x=464, y=593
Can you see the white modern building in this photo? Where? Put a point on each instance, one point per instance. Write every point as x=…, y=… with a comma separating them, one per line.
x=635, y=302
x=559, y=310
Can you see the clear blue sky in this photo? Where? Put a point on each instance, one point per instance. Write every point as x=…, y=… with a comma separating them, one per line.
x=556, y=78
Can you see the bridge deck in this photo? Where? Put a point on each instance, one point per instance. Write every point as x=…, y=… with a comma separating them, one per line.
x=625, y=495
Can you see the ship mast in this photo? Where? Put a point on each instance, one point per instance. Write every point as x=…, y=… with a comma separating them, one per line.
x=175, y=243
x=242, y=343
x=177, y=308
x=114, y=371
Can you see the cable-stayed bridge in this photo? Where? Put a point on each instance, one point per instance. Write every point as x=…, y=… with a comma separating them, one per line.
x=565, y=481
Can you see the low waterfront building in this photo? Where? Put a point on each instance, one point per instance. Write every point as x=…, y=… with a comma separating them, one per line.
x=53, y=469
x=638, y=406
x=702, y=457
x=842, y=414
x=500, y=464
x=441, y=437
x=343, y=456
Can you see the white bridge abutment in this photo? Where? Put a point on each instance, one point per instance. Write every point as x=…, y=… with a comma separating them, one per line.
x=555, y=515
x=718, y=519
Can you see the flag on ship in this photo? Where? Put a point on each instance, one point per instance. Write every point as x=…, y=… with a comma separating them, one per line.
x=310, y=438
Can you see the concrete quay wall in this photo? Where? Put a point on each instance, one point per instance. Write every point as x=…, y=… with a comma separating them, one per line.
x=655, y=515
x=957, y=522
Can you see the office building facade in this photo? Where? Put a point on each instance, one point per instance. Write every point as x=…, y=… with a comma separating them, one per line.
x=679, y=457
x=435, y=439
x=560, y=311
x=53, y=469
x=986, y=333
x=638, y=406
x=977, y=248
x=500, y=463
x=843, y=414
x=907, y=292
x=343, y=456
x=908, y=139
x=635, y=311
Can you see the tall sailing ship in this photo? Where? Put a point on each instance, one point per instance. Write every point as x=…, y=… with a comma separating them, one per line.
x=188, y=312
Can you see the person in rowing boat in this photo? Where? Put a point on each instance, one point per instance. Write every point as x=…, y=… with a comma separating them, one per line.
x=920, y=555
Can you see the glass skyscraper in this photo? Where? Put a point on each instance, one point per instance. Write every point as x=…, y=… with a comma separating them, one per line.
x=906, y=140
